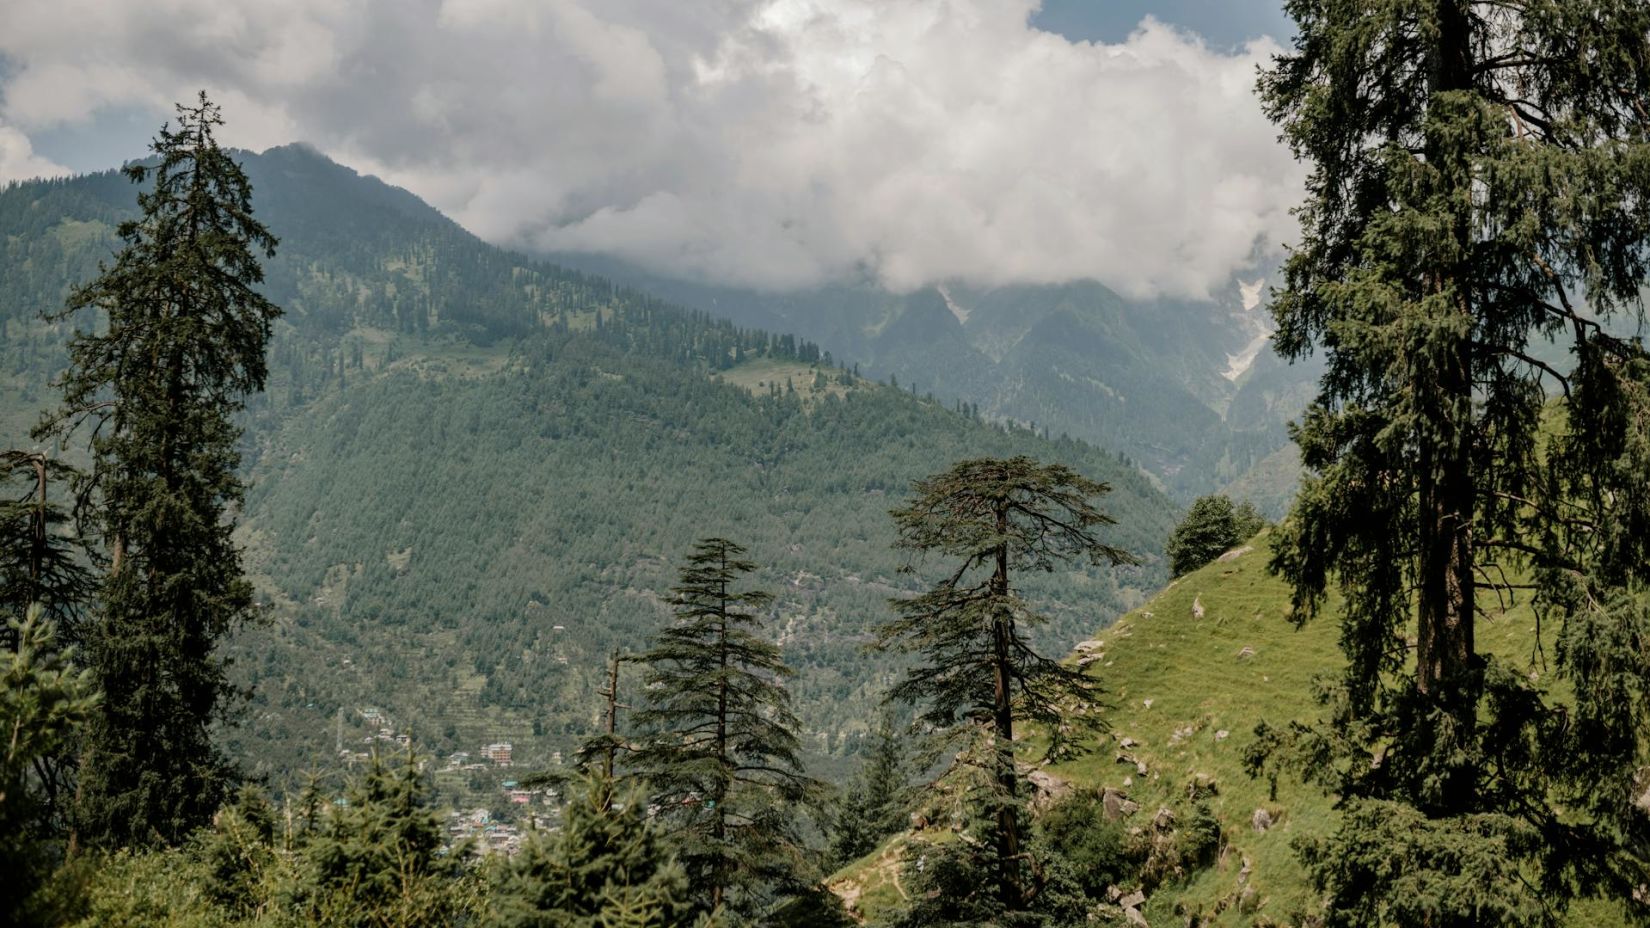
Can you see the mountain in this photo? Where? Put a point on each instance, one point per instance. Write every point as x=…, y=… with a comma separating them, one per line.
x=474, y=473
x=1190, y=389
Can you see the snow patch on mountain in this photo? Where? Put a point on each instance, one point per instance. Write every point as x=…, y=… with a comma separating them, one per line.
x=1253, y=319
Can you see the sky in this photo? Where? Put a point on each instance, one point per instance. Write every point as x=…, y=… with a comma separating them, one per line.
x=775, y=144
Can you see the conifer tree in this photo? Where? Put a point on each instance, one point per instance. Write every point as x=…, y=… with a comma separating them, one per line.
x=44, y=701
x=607, y=866
x=994, y=517
x=39, y=562
x=720, y=753
x=377, y=856
x=1480, y=185
x=876, y=801
x=1212, y=526
x=157, y=390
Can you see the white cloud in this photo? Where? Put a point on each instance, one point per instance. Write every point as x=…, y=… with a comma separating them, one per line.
x=18, y=160
x=766, y=142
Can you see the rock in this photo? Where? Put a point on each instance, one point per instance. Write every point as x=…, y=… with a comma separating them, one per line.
x=1135, y=918
x=1164, y=819
x=1261, y=820
x=1197, y=606
x=1117, y=806
x=1090, y=645
x=1050, y=788
x=1222, y=735
x=1129, y=743
x=1146, y=702
x=1133, y=900
x=1243, y=874
x=1248, y=900
x=1245, y=653
x=1643, y=781
x=1234, y=554
x=1128, y=781
x=1088, y=659
x=1140, y=767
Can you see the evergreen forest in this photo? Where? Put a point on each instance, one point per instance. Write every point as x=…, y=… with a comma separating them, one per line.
x=357, y=572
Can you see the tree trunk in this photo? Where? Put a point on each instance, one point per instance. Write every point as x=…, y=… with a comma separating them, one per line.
x=1445, y=654
x=1008, y=825
x=719, y=818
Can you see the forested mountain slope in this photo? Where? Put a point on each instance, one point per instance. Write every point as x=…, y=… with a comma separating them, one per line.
x=1188, y=388
x=474, y=475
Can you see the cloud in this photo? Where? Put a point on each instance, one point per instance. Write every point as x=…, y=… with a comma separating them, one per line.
x=773, y=143
x=18, y=160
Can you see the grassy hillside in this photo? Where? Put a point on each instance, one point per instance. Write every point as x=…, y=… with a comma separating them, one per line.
x=1190, y=674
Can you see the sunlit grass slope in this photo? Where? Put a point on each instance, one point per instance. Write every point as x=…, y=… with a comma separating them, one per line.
x=1190, y=674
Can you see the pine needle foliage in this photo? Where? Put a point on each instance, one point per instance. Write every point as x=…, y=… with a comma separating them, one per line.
x=993, y=517
x=1480, y=187
x=719, y=749
x=44, y=702
x=877, y=801
x=157, y=390
x=607, y=866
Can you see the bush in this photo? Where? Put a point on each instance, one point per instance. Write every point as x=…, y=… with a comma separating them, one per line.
x=1211, y=527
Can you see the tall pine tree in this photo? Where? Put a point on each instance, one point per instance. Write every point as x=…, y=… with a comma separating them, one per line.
x=992, y=518
x=720, y=749
x=156, y=389
x=1480, y=187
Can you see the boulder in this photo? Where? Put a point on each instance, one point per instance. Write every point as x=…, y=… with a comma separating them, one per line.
x=1133, y=900
x=1197, y=606
x=1261, y=821
x=1117, y=806
x=1050, y=788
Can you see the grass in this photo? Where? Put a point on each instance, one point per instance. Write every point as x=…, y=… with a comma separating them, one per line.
x=758, y=376
x=1189, y=690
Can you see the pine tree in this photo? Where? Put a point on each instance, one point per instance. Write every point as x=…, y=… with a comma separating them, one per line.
x=377, y=856
x=875, y=803
x=1480, y=184
x=995, y=517
x=1212, y=526
x=42, y=567
x=720, y=751
x=39, y=561
x=158, y=390
x=44, y=702
x=607, y=866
